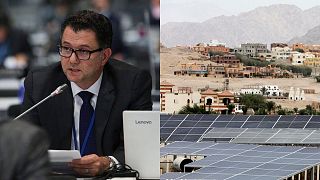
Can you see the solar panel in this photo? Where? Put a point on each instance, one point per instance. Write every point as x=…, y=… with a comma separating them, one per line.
x=302, y=118
x=194, y=116
x=166, y=130
x=203, y=124
x=282, y=124
x=246, y=161
x=188, y=123
x=225, y=118
x=315, y=119
x=209, y=117
x=164, y=117
x=266, y=124
x=264, y=136
x=234, y=124
x=219, y=124
x=178, y=117
x=249, y=124
x=287, y=118
x=276, y=136
x=240, y=118
x=193, y=138
x=271, y=118
x=197, y=130
x=208, y=121
x=313, y=125
x=256, y=118
x=175, y=137
x=172, y=124
x=298, y=124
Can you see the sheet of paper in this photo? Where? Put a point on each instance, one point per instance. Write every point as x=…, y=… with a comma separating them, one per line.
x=60, y=159
x=63, y=155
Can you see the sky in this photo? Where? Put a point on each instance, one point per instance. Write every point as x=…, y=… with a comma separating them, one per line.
x=201, y=10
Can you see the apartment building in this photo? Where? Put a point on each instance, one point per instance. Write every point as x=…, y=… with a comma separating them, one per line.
x=282, y=45
x=251, y=50
x=299, y=58
x=265, y=90
x=205, y=49
x=216, y=101
x=296, y=94
x=192, y=69
x=165, y=87
x=312, y=62
x=306, y=48
x=226, y=59
x=173, y=100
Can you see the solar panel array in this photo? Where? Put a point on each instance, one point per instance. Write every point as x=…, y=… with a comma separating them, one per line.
x=192, y=127
x=264, y=136
x=242, y=161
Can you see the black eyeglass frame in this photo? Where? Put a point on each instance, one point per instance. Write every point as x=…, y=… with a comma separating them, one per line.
x=77, y=50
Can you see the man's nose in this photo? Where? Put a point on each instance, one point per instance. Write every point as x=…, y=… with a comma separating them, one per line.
x=73, y=58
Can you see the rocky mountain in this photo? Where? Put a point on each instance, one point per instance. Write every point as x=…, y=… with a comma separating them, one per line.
x=311, y=37
x=268, y=24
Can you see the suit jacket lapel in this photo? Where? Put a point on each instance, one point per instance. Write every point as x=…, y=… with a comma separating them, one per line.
x=104, y=105
x=64, y=104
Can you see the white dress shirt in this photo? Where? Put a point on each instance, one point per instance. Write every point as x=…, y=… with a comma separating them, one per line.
x=77, y=102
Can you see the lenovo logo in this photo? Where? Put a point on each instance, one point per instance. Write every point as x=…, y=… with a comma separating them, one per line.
x=143, y=122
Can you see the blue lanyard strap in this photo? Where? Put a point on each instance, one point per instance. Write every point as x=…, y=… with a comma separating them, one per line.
x=85, y=141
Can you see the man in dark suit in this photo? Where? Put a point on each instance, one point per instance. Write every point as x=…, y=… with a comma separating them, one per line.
x=100, y=89
x=23, y=151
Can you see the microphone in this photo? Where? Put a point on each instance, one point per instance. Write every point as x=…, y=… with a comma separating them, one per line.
x=59, y=90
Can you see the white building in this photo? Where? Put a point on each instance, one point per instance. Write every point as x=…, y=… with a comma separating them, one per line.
x=281, y=53
x=299, y=58
x=175, y=101
x=296, y=94
x=270, y=90
x=214, y=42
x=277, y=53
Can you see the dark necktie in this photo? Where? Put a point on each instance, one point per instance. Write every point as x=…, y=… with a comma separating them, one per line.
x=86, y=113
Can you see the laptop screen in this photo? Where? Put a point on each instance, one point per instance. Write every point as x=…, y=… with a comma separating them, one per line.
x=142, y=142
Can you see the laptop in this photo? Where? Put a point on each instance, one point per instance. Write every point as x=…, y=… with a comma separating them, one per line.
x=142, y=142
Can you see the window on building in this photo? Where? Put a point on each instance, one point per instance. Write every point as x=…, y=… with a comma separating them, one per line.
x=209, y=102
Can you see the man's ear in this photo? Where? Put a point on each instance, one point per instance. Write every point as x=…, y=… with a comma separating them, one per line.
x=106, y=55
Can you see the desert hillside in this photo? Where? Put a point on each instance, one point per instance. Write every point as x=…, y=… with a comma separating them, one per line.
x=170, y=59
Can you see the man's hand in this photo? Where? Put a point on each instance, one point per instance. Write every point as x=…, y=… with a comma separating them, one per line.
x=90, y=165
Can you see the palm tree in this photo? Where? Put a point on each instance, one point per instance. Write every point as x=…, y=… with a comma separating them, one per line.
x=263, y=90
x=230, y=108
x=244, y=109
x=270, y=106
x=192, y=110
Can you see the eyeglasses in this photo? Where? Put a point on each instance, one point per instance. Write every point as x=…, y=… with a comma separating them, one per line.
x=80, y=53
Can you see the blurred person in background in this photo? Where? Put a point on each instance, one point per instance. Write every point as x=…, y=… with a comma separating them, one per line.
x=15, y=49
x=154, y=11
x=104, y=7
x=23, y=151
x=54, y=14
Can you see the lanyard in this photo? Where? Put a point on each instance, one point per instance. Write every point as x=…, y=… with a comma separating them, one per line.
x=85, y=141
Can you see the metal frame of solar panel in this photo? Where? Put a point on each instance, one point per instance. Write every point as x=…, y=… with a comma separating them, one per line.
x=240, y=161
x=193, y=127
x=185, y=128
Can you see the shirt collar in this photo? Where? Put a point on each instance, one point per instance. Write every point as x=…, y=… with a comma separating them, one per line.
x=94, y=88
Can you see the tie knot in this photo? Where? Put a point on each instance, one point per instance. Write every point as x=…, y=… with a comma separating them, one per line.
x=85, y=96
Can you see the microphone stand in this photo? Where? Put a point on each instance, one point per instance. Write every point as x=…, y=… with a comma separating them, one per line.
x=54, y=93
